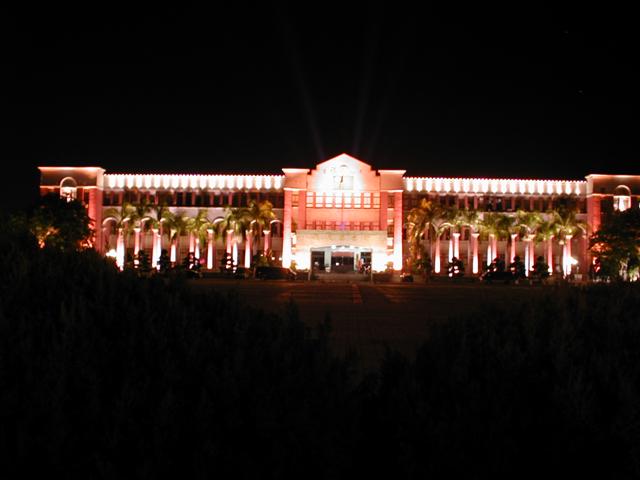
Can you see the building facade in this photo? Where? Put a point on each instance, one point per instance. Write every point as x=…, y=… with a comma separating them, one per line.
x=337, y=216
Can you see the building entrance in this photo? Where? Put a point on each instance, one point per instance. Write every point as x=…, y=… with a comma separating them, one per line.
x=340, y=258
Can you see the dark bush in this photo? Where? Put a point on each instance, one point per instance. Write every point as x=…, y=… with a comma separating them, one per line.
x=550, y=386
x=103, y=374
x=106, y=375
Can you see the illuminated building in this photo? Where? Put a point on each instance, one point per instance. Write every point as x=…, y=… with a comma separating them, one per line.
x=340, y=214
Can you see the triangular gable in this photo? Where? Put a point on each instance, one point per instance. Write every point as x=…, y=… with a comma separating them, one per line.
x=343, y=172
x=344, y=159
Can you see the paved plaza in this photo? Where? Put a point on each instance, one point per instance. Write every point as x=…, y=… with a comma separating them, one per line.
x=365, y=317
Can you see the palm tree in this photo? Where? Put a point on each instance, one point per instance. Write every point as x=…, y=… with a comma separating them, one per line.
x=567, y=226
x=177, y=224
x=471, y=220
x=261, y=214
x=234, y=224
x=509, y=229
x=455, y=219
x=420, y=224
x=122, y=217
x=197, y=228
x=439, y=224
x=544, y=233
x=139, y=216
x=158, y=215
x=492, y=225
x=141, y=210
x=122, y=220
x=528, y=223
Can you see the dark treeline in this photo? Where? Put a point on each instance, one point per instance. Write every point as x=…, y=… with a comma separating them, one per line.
x=105, y=375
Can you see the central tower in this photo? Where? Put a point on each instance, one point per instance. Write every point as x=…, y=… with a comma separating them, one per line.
x=346, y=207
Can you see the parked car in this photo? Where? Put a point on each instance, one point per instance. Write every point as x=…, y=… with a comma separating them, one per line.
x=242, y=273
x=275, y=273
x=491, y=276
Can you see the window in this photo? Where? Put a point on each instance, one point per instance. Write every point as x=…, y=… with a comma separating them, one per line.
x=347, y=199
x=621, y=198
x=329, y=200
x=338, y=200
x=68, y=188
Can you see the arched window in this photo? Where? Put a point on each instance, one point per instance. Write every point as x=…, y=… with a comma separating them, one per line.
x=68, y=188
x=621, y=198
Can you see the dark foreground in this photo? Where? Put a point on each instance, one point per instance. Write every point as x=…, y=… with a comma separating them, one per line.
x=104, y=375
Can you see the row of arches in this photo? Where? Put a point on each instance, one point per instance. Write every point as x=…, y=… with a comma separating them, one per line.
x=117, y=241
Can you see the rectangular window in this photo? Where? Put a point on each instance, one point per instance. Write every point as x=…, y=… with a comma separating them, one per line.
x=357, y=200
x=309, y=199
x=294, y=199
x=367, y=200
x=347, y=199
x=376, y=199
x=329, y=200
x=319, y=199
x=338, y=200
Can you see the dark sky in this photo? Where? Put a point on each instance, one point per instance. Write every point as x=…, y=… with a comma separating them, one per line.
x=534, y=92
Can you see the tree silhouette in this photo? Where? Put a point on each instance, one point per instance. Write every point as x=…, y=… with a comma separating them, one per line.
x=61, y=223
x=617, y=245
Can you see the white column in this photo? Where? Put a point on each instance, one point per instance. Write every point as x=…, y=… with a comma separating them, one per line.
x=513, y=246
x=397, y=231
x=136, y=243
x=527, y=241
x=490, y=252
x=159, y=240
x=155, y=253
x=494, y=246
x=120, y=250
x=234, y=254
x=197, y=249
x=247, y=252
x=567, y=255
x=229, y=248
x=532, y=254
x=209, y=248
x=456, y=245
x=172, y=258
x=229, y=241
x=286, y=227
x=267, y=236
x=474, y=237
x=550, y=254
x=191, y=242
x=436, y=260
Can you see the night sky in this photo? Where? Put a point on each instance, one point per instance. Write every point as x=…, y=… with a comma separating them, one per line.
x=547, y=93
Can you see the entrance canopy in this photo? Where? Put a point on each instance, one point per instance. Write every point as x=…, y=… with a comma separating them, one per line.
x=342, y=241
